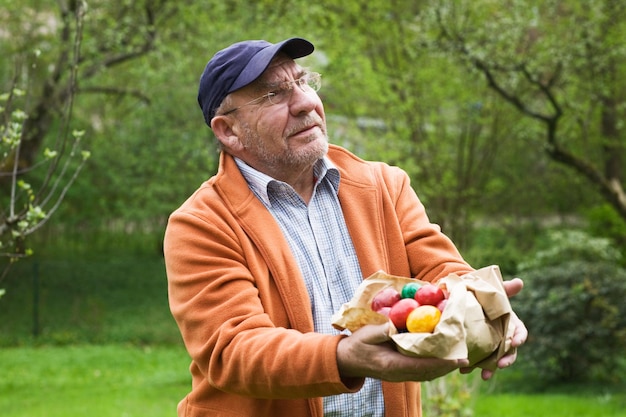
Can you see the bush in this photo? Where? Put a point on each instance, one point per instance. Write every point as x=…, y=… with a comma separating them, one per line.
x=573, y=306
x=562, y=246
x=605, y=221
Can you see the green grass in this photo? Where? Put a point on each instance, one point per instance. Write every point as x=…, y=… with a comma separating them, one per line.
x=512, y=393
x=95, y=381
x=553, y=405
x=515, y=393
x=131, y=381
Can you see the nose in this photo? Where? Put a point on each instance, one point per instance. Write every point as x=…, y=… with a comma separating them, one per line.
x=303, y=100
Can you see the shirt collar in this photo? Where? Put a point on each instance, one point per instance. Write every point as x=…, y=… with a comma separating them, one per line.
x=259, y=182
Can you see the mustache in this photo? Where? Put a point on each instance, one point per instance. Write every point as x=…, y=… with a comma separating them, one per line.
x=306, y=123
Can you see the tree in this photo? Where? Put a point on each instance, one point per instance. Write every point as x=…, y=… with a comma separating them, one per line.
x=119, y=33
x=394, y=90
x=559, y=64
x=28, y=207
x=410, y=107
x=56, y=64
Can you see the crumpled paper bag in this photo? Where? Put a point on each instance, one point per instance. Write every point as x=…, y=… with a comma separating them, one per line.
x=475, y=323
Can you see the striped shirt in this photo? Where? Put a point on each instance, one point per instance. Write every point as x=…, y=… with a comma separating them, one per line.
x=320, y=242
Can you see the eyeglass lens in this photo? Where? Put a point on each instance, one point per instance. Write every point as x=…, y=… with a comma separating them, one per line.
x=309, y=82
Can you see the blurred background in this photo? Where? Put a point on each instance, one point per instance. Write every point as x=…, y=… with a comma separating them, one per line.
x=508, y=115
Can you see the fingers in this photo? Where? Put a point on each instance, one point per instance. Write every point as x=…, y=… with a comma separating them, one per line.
x=504, y=362
x=518, y=339
x=521, y=332
x=486, y=374
x=419, y=369
x=513, y=287
x=507, y=360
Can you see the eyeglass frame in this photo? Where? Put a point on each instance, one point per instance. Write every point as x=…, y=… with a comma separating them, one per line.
x=283, y=87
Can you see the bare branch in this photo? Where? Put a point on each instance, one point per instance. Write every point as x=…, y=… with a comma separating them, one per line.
x=547, y=92
x=511, y=98
x=611, y=190
x=63, y=134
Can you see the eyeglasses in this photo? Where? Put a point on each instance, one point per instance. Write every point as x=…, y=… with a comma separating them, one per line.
x=309, y=82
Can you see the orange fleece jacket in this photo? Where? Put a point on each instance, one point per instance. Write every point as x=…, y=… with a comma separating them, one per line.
x=240, y=301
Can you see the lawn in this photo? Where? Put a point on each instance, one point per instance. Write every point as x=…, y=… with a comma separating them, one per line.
x=511, y=393
x=94, y=381
x=610, y=404
x=130, y=381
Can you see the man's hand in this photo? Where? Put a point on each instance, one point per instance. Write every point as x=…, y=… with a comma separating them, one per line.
x=520, y=335
x=368, y=353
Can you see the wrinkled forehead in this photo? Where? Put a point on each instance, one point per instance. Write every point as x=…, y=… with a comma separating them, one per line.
x=281, y=68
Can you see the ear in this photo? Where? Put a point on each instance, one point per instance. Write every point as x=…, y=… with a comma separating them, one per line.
x=223, y=129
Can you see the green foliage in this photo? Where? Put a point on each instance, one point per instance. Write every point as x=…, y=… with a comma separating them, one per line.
x=26, y=207
x=605, y=221
x=558, y=64
x=498, y=245
x=571, y=245
x=573, y=306
x=392, y=90
x=452, y=395
x=29, y=201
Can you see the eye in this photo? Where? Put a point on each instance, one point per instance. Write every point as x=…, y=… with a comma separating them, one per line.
x=302, y=82
x=278, y=95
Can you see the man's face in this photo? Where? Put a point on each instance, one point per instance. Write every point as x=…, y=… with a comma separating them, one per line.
x=282, y=138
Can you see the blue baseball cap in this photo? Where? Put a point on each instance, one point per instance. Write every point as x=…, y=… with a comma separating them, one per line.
x=240, y=64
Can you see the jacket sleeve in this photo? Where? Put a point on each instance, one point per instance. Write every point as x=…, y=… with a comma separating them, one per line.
x=232, y=316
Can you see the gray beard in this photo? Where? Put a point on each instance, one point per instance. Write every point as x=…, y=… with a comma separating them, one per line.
x=286, y=160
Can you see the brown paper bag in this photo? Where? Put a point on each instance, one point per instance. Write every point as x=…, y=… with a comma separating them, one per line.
x=475, y=323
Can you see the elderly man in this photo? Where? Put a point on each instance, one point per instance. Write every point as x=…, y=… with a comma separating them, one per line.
x=264, y=252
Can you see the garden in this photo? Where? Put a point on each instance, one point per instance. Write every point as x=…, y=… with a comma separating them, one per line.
x=508, y=120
